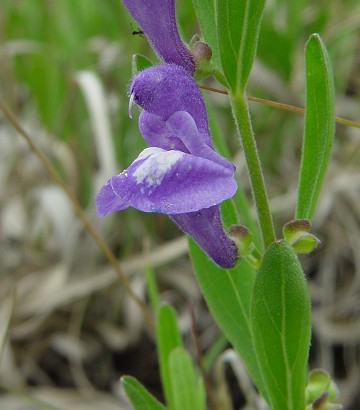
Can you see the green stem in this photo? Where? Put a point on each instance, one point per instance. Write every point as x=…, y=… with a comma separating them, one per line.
x=243, y=123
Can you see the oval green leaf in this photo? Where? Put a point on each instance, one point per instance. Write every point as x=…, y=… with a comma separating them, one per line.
x=280, y=314
x=319, y=126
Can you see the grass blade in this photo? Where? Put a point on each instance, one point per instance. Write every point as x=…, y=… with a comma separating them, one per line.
x=168, y=338
x=140, y=398
x=187, y=388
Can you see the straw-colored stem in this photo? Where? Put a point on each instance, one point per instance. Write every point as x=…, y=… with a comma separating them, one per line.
x=282, y=106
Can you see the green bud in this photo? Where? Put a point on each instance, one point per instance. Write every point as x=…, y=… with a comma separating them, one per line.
x=296, y=234
x=321, y=391
x=202, y=53
x=243, y=239
x=194, y=38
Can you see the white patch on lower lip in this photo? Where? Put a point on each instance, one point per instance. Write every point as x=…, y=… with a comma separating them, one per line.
x=156, y=166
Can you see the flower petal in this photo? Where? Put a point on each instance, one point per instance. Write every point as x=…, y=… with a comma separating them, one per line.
x=106, y=201
x=157, y=20
x=165, y=89
x=156, y=133
x=168, y=182
x=205, y=227
x=182, y=124
x=179, y=132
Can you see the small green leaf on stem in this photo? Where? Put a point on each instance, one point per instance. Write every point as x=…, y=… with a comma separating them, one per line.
x=139, y=63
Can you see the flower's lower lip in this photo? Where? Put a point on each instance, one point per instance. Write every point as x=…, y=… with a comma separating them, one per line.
x=131, y=104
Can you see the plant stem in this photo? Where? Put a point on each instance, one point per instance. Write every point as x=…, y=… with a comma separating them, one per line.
x=243, y=123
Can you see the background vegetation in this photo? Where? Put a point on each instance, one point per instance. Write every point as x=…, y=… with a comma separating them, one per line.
x=69, y=328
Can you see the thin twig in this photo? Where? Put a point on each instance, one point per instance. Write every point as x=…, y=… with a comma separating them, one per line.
x=282, y=106
x=81, y=214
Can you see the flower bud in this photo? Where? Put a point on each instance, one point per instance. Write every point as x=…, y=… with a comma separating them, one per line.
x=241, y=235
x=243, y=239
x=201, y=53
x=321, y=391
x=296, y=234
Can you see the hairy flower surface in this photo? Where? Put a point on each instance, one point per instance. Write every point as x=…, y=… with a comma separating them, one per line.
x=157, y=19
x=180, y=174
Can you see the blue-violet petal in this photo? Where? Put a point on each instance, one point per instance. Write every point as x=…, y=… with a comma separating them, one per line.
x=157, y=19
x=205, y=227
x=165, y=89
x=169, y=182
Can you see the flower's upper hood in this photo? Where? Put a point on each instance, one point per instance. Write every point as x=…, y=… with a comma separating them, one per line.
x=157, y=19
x=165, y=89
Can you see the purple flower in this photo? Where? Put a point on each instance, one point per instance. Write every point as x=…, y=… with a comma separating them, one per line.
x=157, y=20
x=180, y=174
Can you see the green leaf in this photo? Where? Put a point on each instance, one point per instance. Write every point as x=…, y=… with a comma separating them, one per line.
x=187, y=388
x=206, y=15
x=168, y=338
x=228, y=294
x=238, y=25
x=140, y=398
x=139, y=63
x=280, y=313
x=152, y=289
x=306, y=243
x=319, y=126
